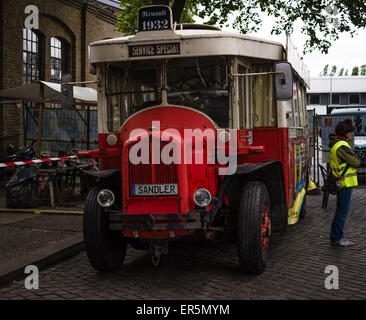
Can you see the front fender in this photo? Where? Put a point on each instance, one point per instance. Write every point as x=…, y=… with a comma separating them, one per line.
x=271, y=174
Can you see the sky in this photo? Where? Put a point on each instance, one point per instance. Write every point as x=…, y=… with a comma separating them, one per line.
x=113, y=3
x=346, y=52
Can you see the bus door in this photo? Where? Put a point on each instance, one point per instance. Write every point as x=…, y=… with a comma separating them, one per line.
x=298, y=150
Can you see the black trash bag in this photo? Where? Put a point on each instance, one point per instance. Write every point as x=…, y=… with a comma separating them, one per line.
x=21, y=189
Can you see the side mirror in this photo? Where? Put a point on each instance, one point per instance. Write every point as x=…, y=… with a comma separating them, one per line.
x=283, y=81
x=67, y=92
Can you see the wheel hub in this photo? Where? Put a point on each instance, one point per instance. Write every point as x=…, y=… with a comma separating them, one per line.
x=266, y=228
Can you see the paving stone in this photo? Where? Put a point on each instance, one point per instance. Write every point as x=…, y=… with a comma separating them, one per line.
x=199, y=271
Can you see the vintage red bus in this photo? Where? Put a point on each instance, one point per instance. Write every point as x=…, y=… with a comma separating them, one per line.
x=242, y=99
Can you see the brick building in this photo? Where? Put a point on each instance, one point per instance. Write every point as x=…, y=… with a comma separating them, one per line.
x=60, y=45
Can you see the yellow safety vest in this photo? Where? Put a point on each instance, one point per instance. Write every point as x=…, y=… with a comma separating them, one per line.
x=349, y=179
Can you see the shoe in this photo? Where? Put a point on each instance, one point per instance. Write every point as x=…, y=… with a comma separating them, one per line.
x=342, y=243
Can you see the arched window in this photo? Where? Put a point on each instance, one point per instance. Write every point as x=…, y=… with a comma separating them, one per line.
x=59, y=58
x=31, y=56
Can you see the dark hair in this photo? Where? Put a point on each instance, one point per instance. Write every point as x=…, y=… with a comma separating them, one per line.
x=343, y=127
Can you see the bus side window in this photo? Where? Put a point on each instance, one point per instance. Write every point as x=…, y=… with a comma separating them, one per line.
x=295, y=101
x=289, y=115
x=115, y=101
x=302, y=105
x=242, y=97
x=263, y=97
x=249, y=110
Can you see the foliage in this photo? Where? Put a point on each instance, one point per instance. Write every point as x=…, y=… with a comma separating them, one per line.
x=363, y=70
x=322, y=20
x=325, y=71
x=355, y=71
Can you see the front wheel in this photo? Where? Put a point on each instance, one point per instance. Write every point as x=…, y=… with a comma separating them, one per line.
x=106, y=249
x=254, y=227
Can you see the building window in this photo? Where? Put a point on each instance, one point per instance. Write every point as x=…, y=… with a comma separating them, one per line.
x=56, y=60
x=354, y=98
x=59, y=58
x=314, y=99
x=335, y=98
x=31, y=56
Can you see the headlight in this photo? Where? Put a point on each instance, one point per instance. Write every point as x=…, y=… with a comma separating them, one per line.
x=105, y=198
x=202, y=197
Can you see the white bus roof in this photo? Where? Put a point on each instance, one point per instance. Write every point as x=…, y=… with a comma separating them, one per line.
x=193, y=43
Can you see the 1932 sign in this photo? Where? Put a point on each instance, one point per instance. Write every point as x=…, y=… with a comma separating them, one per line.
x=155, y=18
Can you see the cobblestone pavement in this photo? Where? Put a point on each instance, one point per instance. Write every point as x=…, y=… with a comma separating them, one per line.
x=296, y=268
x=24, y=233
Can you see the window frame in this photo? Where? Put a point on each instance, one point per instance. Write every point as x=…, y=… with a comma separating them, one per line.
x=302, y=104
x=354, y=94
x=339, y=98
x=296, y=105
x=313, y=95
x=56, y=46
x=33, y=41
x=62, y=47
x=245, y=97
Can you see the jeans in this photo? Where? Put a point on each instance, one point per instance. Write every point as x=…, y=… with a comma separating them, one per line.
x=343, y=202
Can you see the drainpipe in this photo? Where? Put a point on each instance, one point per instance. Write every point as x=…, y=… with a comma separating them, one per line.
x=83, y=42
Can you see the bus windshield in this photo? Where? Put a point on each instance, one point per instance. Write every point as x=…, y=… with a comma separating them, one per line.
x=202, y=84
x=199, y=83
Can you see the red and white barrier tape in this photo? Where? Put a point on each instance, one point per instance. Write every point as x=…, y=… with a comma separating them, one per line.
x=22, y=163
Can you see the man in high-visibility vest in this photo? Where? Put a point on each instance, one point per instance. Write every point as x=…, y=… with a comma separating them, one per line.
x=342, y=157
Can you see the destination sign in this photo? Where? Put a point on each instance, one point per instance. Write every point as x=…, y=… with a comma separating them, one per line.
x=155, y=18
x=159, y=49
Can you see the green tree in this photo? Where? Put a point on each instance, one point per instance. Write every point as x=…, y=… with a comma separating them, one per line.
x=334, y=70
x=355, y=71
x=183, y=12
x=322, y=20
x=363, y=70
x=341, y=72
x=324, y=73
x=346, y=73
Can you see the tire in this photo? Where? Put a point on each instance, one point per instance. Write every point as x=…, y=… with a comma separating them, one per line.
x=302, y=213
x=106, y=249
x=252, y=242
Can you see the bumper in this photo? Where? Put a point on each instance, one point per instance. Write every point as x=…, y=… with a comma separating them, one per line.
x=155, y=222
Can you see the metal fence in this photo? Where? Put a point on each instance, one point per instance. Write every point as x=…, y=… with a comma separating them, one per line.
x=62, y=130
